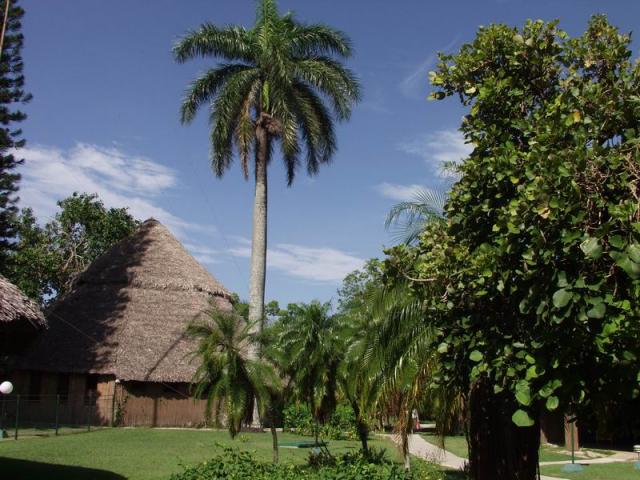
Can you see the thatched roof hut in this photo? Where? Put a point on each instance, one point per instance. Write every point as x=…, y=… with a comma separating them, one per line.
x=15, y=306
x=20, y=317
x=126, y=315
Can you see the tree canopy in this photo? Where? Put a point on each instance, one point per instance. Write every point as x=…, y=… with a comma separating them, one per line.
x=48, y=258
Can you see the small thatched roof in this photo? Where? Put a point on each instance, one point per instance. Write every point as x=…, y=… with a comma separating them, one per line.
x=15, y=306
x=127, y=313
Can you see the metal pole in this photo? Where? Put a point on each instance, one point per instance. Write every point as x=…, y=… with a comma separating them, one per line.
x=89, y=411
x=2, y=432
x=573, y=450
x=15, y=436
x=57, y=413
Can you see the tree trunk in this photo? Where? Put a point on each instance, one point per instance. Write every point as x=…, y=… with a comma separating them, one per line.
x=361, y=427
x=404, y=438
x=498, y=449
x=274, y=440
x=259, y=234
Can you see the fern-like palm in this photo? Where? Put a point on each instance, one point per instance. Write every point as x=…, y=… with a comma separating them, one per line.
x=280, y=82
x=311, y=351
x=227, y=373
x=410, y=218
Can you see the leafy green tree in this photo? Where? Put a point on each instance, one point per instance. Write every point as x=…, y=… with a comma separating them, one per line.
x=11, y=94
x=229, y=374
x=272, y=88
x=532, y=288
x=47, y=259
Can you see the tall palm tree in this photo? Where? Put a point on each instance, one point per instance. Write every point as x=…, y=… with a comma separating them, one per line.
x=272, y=88
x=229, y=374
x=409, y=218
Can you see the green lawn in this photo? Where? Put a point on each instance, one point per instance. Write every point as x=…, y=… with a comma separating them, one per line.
x=610, y=471
x=140, y=454
x=458, y=446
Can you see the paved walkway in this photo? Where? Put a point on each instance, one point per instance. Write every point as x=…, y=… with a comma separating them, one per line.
x=419, y=447
x=618, y=457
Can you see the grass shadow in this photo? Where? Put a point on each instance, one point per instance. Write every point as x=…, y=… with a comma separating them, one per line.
x=28, y=470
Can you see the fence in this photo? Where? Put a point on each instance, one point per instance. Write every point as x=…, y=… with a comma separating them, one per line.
x=43, y=415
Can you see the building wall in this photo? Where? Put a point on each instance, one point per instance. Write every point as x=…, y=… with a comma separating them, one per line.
x=113, y=403
x=45, y=406
x=160, y=405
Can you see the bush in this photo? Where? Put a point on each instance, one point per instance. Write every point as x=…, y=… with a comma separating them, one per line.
x=236, y=465
x=341, y=425
x=298, y=418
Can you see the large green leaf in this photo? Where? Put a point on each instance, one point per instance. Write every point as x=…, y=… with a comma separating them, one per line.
x=597, y=311
x=561, y=298
x=475, y=356
x=552, y=403
x=522, y=419
x=591, y=248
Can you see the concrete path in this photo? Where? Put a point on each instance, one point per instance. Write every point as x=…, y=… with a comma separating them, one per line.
x=420, y=448
x=618, y=457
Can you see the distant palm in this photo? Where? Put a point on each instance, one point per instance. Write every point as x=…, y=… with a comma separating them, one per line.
x=409, y=218
x=272, y=87
x=227, y=373
x=311, y=351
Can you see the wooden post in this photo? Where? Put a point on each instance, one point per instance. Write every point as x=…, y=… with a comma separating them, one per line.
x=571, y=432
x=15, y=435
x=89, y=410
x=57, y=413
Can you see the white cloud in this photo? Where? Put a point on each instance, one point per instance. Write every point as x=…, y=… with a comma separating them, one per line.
x=50, y=174
x=401, y=193
x=321, y=264
x=416, y=83
x=438, y=148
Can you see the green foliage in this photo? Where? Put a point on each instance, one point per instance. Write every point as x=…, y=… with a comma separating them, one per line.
x=48, y=259
x=227, y=374
x=308, y=349
x=340, y=426
x=351, y=466
x=11, y=95
x=545, y=217
x=278, y=78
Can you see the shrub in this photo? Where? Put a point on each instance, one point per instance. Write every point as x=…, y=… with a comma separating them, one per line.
x=341, y=425
x=236, y=465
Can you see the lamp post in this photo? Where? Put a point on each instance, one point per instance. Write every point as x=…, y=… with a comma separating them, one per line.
x=573, y=466
x=5, y=389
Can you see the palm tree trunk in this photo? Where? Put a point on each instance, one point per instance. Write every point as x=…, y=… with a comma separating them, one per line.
x=274, y=440
x=259, y=235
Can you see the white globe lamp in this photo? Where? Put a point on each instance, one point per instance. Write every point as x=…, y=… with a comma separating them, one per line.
x=6, y=388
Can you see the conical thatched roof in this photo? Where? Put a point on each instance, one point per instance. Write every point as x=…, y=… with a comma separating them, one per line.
x=127, y=313
x=15, y=306
x=20, y=319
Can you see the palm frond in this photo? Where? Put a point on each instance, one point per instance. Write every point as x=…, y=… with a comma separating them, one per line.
x=316, y=40
x=225, y=114
x=205, y=87
x=230, y=43
x=334, y=80
x=411, y=217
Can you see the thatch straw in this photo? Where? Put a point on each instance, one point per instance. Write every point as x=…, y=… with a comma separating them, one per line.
x=127, y=313
x=15, y=306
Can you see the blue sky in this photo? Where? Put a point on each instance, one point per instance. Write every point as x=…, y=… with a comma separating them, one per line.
x=104, y=119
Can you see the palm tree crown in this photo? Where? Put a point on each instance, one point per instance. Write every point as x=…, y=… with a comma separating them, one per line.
x=226, y=371
x=275, y=76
